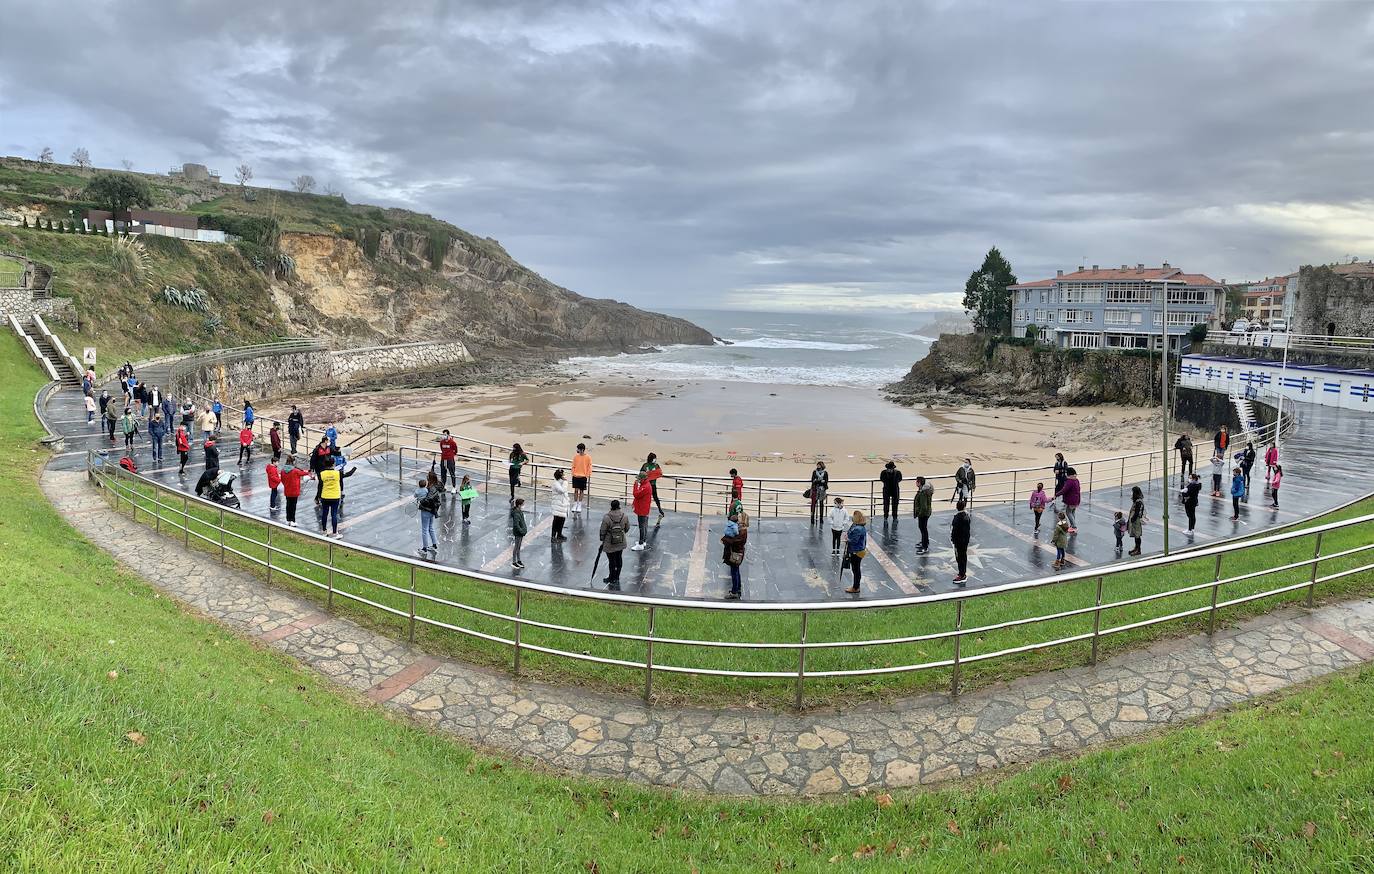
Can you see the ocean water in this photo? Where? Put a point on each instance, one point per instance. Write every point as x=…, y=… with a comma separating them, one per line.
x=866, y=351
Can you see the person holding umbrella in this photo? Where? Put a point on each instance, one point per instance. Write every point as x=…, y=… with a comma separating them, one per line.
x=614, y=526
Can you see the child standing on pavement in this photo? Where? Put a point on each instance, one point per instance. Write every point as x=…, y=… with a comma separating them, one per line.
x=838, y=519
x=1060, y=538
x=1119, y=528
x=1037, y=502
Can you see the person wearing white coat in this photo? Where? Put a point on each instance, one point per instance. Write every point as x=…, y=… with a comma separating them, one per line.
x=561, y=506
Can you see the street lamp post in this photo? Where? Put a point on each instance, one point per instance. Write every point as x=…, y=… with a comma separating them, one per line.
x=1164, y=398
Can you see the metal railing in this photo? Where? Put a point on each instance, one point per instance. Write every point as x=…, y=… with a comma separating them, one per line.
x=762, y=496
x=333, y=562
x=1280, y=339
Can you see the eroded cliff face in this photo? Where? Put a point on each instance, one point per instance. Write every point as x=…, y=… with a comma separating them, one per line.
x=976, y=369
x=479, y=294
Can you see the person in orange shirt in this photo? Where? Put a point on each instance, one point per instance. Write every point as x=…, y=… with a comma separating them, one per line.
x=581, y=477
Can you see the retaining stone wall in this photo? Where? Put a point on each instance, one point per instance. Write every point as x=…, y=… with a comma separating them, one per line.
x=293, y=373
x=21, y=303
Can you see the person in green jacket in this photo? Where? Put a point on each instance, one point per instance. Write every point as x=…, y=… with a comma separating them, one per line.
x=518, y=529
x=517, y=461
x=129, y=426
x=921, y=509
x=651, y=471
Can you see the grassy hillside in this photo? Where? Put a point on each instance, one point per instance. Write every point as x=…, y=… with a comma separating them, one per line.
x=244, y=760
x=122, y=311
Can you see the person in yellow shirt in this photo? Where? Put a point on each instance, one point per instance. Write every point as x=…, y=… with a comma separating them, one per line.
x=331, y=494
x=581, y=477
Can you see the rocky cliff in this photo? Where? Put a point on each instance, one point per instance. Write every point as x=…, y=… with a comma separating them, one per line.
x=977, y=369
x=483, y=297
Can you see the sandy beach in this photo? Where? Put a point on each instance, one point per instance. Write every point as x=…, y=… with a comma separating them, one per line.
x=769, y=430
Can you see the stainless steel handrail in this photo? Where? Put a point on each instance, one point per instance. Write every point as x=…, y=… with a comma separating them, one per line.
x=140, y=492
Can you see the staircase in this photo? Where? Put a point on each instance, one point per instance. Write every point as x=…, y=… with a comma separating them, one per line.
x=66, y=375
x=1245, y=413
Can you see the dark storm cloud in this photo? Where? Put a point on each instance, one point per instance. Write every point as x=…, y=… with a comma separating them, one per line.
x=753, y=153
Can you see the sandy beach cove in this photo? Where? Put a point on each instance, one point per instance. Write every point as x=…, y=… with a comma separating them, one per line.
x=769, y=430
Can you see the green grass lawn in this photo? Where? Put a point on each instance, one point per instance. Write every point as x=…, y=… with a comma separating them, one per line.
x=241, y=759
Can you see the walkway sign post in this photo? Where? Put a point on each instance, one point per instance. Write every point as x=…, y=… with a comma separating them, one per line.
x=1164, y=400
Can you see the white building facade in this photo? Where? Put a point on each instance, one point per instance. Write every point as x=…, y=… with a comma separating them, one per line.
x=1116, y=308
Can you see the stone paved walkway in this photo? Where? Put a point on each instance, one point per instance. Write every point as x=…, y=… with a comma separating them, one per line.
x=902, y=742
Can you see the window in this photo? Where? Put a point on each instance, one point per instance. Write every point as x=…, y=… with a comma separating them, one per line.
x=1040, y=316
x=1188, y=319
x=1082, y=294
x=1194, y=296
x=1020, y=316
x=1128, y=341
x=1078, y=340
x=1116, y=317
x=1076, y=317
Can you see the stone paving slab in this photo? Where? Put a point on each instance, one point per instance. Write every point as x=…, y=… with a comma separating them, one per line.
x=909, y=741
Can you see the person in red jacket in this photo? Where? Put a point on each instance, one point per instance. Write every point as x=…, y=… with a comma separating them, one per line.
x=291, y=487
x=246, y=445
x=183, y=448
x=273, y=482
x=275, y=437
x=448, y=455
x=643, y=504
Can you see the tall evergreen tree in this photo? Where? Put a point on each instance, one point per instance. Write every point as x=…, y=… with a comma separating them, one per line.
x=986, y=298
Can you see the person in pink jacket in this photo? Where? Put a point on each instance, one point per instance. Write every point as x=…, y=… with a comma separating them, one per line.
x=1271, y=461
x=1274, y=480
x=1038, y=501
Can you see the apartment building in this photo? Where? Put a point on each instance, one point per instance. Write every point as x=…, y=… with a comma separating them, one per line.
x=1267, y=299
x=1116, y=308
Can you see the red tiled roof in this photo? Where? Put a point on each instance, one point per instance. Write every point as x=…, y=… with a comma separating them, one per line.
x=1173, y=274
x=1039, y=283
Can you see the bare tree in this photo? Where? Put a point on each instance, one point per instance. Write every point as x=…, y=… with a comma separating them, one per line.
x=81, y=158
x=127, y=164
x=303, y=183
x=45, y=156
x=243, y=174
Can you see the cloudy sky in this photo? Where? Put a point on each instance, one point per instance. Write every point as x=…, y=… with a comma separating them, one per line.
x=753, y=154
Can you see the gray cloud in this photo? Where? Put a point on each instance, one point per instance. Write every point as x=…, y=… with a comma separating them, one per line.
x=718, y=152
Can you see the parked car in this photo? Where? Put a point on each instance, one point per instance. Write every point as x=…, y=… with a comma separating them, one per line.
x=1279, y=326
x=1240, y=326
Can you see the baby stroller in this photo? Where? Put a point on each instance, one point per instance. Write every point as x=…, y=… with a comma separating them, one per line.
x=218, y=486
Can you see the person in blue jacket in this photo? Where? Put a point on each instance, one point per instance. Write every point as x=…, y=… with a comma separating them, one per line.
x=332, y=435
x=856, y=547
x=1237, y=492
x=218, y=409
x=248, y=414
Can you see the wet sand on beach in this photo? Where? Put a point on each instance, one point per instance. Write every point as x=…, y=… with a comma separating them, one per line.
x=764, y=430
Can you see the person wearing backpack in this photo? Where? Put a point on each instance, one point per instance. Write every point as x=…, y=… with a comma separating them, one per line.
x=856, y=547
x=428, y=500
x=614, y=526
x=733, y=542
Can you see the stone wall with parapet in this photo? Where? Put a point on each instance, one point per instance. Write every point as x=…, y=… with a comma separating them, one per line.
x=294, y=373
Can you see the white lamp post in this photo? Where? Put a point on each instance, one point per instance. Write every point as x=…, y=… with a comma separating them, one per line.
x=1164, y=398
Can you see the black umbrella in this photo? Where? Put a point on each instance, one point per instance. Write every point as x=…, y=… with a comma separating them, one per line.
x=597, y=563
